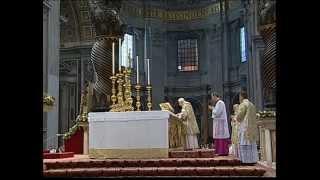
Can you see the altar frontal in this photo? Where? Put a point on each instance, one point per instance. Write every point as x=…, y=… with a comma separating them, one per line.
x=136, y=134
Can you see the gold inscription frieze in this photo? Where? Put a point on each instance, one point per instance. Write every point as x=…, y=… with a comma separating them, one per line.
x=172, y=15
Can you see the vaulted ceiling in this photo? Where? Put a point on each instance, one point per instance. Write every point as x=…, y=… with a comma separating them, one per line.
x=77, y=28
x=75, y=25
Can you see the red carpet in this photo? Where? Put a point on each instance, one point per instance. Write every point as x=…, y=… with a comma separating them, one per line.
x=200, y=166
x=203, y=153
x=57, y=155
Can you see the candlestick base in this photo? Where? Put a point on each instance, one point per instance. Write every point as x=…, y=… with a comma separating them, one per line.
x=127, y=93
x=138, y=103
x=149, y=99
x=119, y=106
x=113, y=96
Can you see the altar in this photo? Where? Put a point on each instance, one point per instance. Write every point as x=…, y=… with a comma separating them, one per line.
x=135, y=134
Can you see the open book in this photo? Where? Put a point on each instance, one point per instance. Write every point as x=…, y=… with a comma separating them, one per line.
x=167, y=107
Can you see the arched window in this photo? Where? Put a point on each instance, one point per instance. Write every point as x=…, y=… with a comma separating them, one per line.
x=243, y=47
x=126, y=50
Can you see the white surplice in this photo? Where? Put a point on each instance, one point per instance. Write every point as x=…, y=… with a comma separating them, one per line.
x=220, y=122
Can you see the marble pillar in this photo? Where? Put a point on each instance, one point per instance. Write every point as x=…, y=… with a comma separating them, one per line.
x=85, y=139
x=255, y=49
x=268, y=150
x=261, y=143
x=51, y=76
x=45, y=70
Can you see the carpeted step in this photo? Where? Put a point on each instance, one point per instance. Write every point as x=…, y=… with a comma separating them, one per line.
x=198, y=153
x=168, y=162
x=157, y=171
x=58, y=155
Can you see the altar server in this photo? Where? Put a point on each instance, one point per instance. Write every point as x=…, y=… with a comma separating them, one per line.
x=221, y=135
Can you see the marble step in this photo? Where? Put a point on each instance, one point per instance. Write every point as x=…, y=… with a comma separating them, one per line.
x=157, y=171
x=198, y=153
x=168, y=162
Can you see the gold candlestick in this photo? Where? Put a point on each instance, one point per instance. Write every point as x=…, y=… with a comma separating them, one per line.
x=149, y=104
x=128, y=98
x=113, y=97
x=138, y=103
x=120, y=90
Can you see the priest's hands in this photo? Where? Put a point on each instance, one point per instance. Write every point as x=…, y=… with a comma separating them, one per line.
x=234, y=118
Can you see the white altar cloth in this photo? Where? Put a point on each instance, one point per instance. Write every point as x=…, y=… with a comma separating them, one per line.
x=137, y=134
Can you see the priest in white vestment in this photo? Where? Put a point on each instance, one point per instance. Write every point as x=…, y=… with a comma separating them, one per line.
x=220, y=128
x=248, y=130
x=189, y=119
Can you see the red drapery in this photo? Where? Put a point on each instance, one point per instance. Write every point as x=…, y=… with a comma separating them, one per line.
x=75, y=142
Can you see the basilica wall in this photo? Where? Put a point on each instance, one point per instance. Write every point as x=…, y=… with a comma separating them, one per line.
x=51, y=14
x=196, y=85
x=75, y=68
x=214, y=74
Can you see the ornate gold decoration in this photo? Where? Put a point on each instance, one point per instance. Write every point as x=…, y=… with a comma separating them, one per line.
x=265, y=114
x=174, y=15
x=113, y=96
x=129, y=153
x=124, y=100
x=71, y=131
x=149, y=99
x=138, y=103
x=120, y=88
x=48, y=103
x=127, y=85
x=119, y=106
x=82, y=118
x=48, y=100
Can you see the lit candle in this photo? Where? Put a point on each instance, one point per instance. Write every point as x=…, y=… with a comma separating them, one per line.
x=131, y=61
x=145, y=41
x=148, y=71
x=137, y=69
x=113, y=60
x=133, y=48
x=149, y=43
x=128, y=65
x=119, y=54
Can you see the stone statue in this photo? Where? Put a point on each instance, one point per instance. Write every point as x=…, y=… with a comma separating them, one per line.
x=105, y=17
x=267, y=12
x=106, y=20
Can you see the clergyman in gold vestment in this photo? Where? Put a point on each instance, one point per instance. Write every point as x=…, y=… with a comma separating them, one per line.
x=248, y=130
x=189, y=119
x=177, y=131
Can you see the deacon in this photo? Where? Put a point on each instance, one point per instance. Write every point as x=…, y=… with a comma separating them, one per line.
x=248, y=131
x=189, y=119
x=220, y=126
